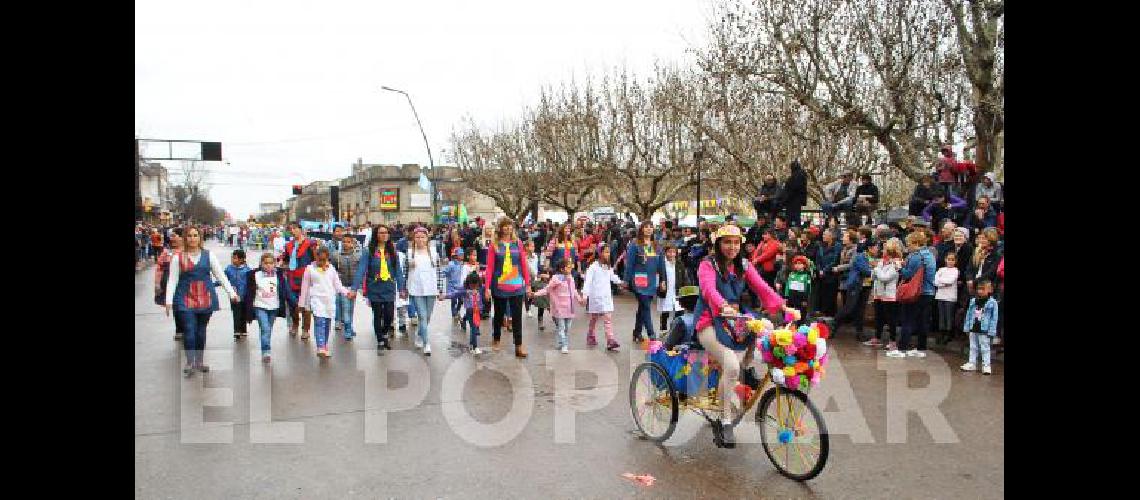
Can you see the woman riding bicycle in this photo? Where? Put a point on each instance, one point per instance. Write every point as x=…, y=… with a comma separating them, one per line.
x=722, y=277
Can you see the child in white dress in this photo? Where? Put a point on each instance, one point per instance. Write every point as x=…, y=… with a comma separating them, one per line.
x=319, y=286
x=600, y=299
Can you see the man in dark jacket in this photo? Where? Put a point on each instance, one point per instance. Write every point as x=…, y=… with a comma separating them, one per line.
x=866, y=197
x=983, y=216
x=755, y=232
x=922, y=196
x=768, y=202
x=780, y=228
x=794, y=195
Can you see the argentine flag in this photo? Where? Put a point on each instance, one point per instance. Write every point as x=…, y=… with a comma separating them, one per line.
x=424, y=183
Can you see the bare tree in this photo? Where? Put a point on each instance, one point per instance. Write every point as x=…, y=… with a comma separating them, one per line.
x=499, y=165
x=981, y=40
x=565, y=138
x=645, y=146
x=885, y=68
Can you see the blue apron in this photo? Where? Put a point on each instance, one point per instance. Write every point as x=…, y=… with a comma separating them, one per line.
x=195, y=292
x=730, y=287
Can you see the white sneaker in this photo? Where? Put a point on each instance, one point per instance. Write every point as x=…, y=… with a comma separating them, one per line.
x=530, y=313
x=427, y=349
x=565, y=349
x=895, y=354
x=419, y=343
x=915, y=353
x=476, y=350
x=986, y=370
x=968, y=367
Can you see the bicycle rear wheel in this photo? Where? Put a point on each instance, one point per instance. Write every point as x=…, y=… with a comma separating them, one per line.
x=653, y=402
x=793, y=433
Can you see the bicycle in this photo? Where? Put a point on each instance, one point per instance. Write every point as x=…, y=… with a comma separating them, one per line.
x=783, y=415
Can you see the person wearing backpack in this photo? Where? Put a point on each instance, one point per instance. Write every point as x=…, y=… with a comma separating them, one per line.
x=916, y=296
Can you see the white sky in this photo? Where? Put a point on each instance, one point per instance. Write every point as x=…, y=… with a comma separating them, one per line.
x=292, y=88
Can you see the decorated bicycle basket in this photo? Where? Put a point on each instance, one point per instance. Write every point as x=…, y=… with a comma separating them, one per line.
x=796, y=356
x=687, y=367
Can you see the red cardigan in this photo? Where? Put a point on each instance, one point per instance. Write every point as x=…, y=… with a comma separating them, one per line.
x=764, y=255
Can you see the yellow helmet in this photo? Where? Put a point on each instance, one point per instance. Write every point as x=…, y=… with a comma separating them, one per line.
x=728, y=230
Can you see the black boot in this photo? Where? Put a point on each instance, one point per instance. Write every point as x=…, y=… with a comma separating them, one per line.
x=723, y=436
x=750, y=378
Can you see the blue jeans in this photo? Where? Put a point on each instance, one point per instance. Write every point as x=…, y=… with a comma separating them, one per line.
x=644, y=317
x=345, y=307
x=980, y=342
x=265, y=319
x=424, y=306
x=563, y=328
x=456, y=305
x=411, y=307
x=469, y=322
x=194, y=340
x=831, y=209
x=321, y=329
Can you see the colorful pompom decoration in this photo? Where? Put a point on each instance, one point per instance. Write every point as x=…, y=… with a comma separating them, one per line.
x=797, y=358
x=655, y=345
x=799, y=340
x=743, y=392
x=785, y=436
x=783, y=337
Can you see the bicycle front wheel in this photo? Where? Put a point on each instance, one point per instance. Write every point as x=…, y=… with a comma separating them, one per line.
x=793, y=433
x=653, y=402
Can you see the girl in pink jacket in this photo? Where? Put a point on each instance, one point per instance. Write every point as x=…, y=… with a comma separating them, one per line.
x=563, y=293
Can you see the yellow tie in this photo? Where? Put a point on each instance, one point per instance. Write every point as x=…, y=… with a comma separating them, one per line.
x=507, y=265
x=384, y=274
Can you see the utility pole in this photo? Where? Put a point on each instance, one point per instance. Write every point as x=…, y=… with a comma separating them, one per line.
x=431, y=162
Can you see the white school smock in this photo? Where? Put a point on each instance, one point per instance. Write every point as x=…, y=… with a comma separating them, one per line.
x=669, y=303
x=596, y=288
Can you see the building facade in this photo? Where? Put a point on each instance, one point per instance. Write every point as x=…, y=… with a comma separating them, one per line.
x=154, y=188
x=268, y=208
x=391, y=193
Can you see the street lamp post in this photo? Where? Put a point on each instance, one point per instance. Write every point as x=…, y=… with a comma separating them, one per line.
x=431, y=162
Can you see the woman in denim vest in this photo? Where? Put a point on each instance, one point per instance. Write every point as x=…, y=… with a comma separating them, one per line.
x=723, y=277
x=644, y=273
x=190, y=291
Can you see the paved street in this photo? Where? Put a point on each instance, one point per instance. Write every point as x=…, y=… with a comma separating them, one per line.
x=421, y=453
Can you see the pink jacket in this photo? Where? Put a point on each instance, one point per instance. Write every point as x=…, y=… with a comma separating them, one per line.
x=563, y=293
x=706, y=276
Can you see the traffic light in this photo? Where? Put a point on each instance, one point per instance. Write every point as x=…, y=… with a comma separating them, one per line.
x=211, y=151
x=296, y=189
